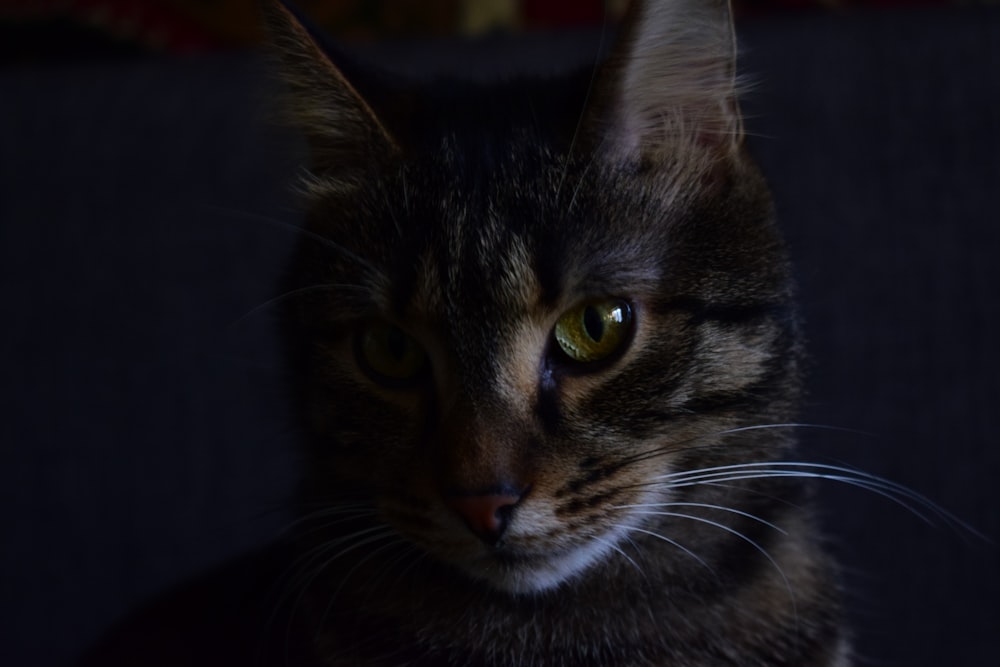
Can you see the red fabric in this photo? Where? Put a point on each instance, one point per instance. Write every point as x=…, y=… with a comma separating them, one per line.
x=557, y=13
x=153, y=23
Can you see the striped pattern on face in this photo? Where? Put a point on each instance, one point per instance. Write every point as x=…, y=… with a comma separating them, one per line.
x=478, y=279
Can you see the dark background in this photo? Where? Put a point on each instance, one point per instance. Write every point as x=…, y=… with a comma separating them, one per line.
x=144, y=217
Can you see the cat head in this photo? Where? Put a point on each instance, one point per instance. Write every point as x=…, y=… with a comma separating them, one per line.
x=517, y=309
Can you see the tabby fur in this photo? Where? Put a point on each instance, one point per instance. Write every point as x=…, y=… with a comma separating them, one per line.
x=472, y=217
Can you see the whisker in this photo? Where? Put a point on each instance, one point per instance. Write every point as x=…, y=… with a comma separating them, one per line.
x=720, y=508
x=295, y=578
x=675, y=543
x=795, y=468
x=325, y=509
x=736, y=533
x=406, y=201
x=384, y=532
x=897, y=493
x=802, y=469
x=305, y=559
x=301, y=232
x=755, y=492
x=420, y=556
x=681, y=446
x=804, y=425
x=586, y=103
x=407, y=550
x=296, y=292
x=351, y=515
x=867, y=485
x=391, y=209
x=615, y=547
x=568, y=209
x=346, y=577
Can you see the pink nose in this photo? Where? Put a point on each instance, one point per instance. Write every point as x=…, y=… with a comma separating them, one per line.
x=486, y=515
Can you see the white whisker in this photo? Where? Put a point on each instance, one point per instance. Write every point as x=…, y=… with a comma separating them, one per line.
x=350, y=573
x=673, y=542
x=720, y=508
x=685, y=445
x=818, y=427
x=736, y=533
x=295, y=575
x=615, y=547
x=350, y=516
x=583, y=111
x=307, y=580
x=357, y=510
x=295, y=292
x=805, y=470
x=305, y=560
x=303, y=233
x=408, y=550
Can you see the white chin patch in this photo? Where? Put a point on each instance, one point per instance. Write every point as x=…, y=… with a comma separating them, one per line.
x=539, y=574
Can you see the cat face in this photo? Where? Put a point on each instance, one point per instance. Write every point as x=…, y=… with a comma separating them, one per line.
x=510, y=333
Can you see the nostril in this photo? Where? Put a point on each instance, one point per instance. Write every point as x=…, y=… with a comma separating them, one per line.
x=486, y=515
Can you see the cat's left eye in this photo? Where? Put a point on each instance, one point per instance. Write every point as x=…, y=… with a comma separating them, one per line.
x=594, y=330
x=389, y=354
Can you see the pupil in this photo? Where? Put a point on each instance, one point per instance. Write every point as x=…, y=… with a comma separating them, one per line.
x=395, y=341
x=593, y=323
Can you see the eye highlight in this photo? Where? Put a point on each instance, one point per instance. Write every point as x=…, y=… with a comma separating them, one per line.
x=594, y=330
x=389, y=355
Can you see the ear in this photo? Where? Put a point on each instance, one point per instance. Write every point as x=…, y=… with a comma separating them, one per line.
x=671, y=76
x=340, y=126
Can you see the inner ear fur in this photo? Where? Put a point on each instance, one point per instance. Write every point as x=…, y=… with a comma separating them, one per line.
x=671, y=76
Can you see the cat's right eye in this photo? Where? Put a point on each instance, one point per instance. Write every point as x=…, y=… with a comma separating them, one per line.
x=389, y=355
x=593, y=331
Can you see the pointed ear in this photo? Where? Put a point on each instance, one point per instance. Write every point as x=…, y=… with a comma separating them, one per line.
x=340, y=126
x=670, y=76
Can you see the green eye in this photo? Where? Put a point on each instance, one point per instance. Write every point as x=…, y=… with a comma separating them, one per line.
x=389, y=354
x=594, y=330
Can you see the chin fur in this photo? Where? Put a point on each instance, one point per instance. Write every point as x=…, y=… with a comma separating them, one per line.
x=537, y=575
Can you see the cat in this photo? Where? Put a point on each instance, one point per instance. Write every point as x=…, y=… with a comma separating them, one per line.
x=546, y=350
x=546, y=358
